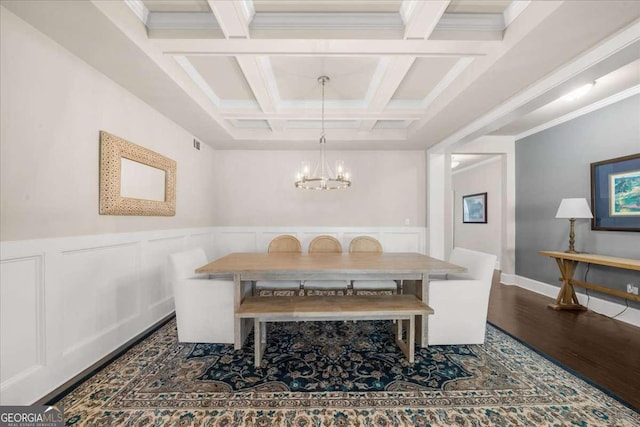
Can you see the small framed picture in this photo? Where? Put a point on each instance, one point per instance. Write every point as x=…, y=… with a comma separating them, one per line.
x=474, y=208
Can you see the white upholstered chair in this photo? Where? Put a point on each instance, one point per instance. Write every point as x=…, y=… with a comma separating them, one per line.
x=284, y=243
x=369, y=244
x=461, y=301
x=204, y=306
x=325, y=244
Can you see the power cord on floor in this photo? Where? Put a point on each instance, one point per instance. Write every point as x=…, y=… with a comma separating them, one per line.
x=626, y=300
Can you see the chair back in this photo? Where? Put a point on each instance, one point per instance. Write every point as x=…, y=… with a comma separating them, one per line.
x=325, y=244
x=182, y=265
x=285, y=243
x=365, y=244
x=479, y=265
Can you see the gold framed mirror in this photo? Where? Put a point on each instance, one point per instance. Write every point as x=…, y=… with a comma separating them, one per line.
x=135, y=180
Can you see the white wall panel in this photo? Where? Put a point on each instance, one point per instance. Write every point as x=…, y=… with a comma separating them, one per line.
x=21, y=317
x=96, y=296
x=402, y=241
x=99, y=292
x=235, y=240
x=155, y=275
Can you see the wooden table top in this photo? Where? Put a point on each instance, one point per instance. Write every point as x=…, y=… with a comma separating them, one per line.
x=391, y=262
x=610, y=261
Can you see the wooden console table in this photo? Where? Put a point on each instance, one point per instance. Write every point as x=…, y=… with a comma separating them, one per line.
x=567, y=263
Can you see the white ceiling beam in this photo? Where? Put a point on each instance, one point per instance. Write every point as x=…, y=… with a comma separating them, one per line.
x=333, y=135
x=514, y=10
x=233, y=18
x=332, y=115
x=422, y=18
x=298, y=47
x=255, y=77
x=393, y=77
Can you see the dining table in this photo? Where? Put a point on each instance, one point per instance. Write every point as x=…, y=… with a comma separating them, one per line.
x=413, y=269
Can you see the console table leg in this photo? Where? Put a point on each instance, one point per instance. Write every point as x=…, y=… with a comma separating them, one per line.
x=567, y=298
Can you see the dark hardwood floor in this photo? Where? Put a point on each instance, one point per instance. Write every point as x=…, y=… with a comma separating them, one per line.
x=603, y=350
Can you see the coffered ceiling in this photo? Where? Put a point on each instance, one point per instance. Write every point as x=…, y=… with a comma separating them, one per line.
x=404, y=74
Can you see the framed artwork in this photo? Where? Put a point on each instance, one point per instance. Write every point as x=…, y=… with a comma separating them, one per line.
x=615, y=194
x=474, y=208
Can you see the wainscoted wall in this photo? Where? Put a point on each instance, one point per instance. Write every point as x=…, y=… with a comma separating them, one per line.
x=256, y=239
x=67, y=302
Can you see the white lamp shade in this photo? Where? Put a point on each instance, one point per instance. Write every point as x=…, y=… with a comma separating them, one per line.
x=574, y=208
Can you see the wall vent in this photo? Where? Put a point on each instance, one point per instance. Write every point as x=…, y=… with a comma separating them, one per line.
x=196, y=144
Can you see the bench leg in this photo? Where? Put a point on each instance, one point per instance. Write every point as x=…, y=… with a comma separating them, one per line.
x=407, y=346
x=259, y=338
x=411, y=336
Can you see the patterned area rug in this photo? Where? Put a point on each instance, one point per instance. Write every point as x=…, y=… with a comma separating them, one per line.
x=338, y=374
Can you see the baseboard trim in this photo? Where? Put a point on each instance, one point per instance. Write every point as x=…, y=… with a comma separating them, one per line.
x=593, y=303
x=60, y=392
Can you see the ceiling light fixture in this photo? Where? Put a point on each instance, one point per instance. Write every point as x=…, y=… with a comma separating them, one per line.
x=323, y=178
x=579, y=93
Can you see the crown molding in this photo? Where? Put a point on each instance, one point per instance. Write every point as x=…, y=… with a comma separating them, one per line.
x=582, y=111
x=472, y=166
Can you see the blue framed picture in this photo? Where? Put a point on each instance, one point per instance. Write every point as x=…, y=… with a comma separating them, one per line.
x=474, y=208
x=615, y=194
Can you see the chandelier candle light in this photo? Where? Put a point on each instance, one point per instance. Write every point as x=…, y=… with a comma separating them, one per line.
x=323, y=178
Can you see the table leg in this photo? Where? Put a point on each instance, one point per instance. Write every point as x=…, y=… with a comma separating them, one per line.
x=237, y=323
x=421, y=323
x=567, y=298
x=257, y=341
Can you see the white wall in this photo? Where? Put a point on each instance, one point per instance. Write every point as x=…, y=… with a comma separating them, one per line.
x=53, y=107
x=483, y=178
x=75, y=285
x=255, y=188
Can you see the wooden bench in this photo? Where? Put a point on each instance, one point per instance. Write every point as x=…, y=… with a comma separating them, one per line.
x=349, y=307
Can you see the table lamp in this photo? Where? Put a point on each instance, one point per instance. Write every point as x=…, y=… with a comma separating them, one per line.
x=572, y=209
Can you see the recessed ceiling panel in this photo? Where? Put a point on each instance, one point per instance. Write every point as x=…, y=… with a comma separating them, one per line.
x=423, y=76
x=297, y=77
x=328, y=124
x=310, y=6
x=478, y=6
x=392, y=124
x=177, y=5
x=223, y=75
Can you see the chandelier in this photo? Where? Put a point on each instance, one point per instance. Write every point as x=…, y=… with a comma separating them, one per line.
x=323, y=178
